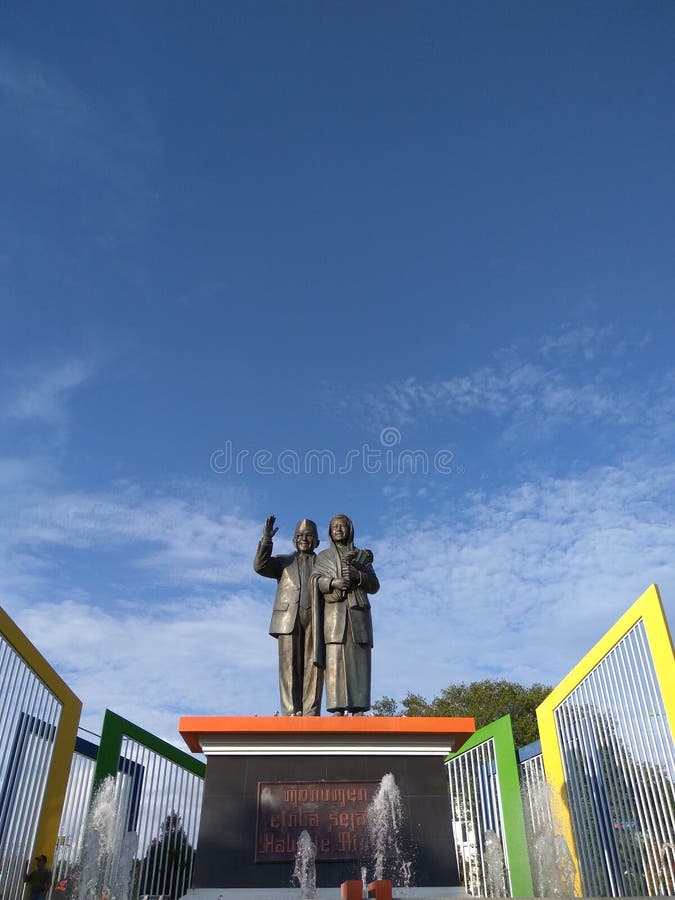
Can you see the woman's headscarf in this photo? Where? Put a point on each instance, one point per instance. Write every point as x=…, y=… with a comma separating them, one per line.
x=350, y=532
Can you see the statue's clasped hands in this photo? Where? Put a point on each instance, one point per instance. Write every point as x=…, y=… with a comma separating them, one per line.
x=342, y=583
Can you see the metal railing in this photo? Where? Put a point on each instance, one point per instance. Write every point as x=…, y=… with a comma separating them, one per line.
x=607, y=739
x=38, y=720
x=70, y=840
x=157, y=798
x=487, y=816
x=619, y=765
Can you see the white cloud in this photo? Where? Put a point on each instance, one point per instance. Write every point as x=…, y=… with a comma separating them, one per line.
x=165, y=539
x=569, y=379
x=177, y=626
x=521, y=584
x=154, y=665
x=526, y=389
x=583, y=339
x=41, y=393
x=518, y=584
x=146, y=602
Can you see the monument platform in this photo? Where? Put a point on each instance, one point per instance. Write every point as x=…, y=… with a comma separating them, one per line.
x=341, y=735
x=269, y=778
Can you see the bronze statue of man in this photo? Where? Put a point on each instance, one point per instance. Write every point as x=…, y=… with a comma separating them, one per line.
x=343, y=577
x=300, y=681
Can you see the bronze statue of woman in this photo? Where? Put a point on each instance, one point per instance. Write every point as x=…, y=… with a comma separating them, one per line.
x=342, y=578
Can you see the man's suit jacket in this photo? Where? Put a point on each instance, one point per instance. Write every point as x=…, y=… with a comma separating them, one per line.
x=286, y=571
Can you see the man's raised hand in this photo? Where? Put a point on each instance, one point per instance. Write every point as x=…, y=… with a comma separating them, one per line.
x=268, y=528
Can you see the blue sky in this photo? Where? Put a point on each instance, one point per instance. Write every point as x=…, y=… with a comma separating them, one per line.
x=411, y=262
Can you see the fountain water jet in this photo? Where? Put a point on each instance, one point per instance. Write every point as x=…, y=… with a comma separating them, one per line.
x=553, y=869
x=384, y=833
x=109, y=849
x=495, y=874
x=304, y=871
x=364, y=882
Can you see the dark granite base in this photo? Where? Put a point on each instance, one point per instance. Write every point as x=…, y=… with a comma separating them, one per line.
x=227, y=834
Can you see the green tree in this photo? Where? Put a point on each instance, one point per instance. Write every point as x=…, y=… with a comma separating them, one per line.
x=386, y=706
x=167, y=866
x=484, y=701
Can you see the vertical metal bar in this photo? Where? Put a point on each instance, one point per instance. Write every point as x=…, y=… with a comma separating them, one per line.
x=479, y=819
x=594, y=716
x=183, y=785
x=468, y=822
x=616, y=740
x=10, y=721
x=634, y=700
x=492, y=785
x=453, y=793
x=585, y=779
x=623, y=677
x=143, y=839
x=197, y=784
x=160, y=807
x=189, y=849
x=155, y=818
x=650, y=772
x=16, y=672
x=178, y=791
x=570, y=746
x=174, y=782
x=472, y=857
x=86, y=783
x=164, y=818
x=475, y=824
x=20, y=673
x=71, y=803
x=471, y=786
x=198, y=799
x=605, y=828
x=657, y=715
x=20, y=813
x=564, y=742
x=653, y=720
x=482, y=770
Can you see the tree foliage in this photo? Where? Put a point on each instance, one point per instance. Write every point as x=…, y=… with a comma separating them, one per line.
x=167, y=865
x=484, y=701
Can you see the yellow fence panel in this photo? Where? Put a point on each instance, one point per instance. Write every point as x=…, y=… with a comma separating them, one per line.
x=39, y=715
x=607, y=742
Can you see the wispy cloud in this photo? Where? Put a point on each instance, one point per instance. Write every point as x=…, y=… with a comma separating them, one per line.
x=152, y=666
x=39, y=98
x=585, y=340
x=516, y=584
x=166, y=538
x=154, y=610
x=152, y=604
x=522, y=583
x=41, y=393
x=589, y=342
x=567, y=378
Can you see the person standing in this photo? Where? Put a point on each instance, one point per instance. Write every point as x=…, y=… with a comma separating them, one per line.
x=343, y=577
x=39, y=879
x=300, y=681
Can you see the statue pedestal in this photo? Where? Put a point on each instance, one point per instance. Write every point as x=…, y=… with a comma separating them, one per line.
x=269, y=778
